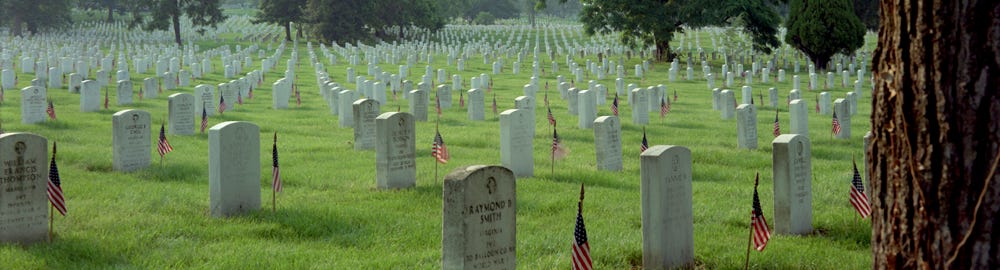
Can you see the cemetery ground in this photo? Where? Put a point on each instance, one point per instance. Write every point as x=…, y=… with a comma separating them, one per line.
x=331, y=216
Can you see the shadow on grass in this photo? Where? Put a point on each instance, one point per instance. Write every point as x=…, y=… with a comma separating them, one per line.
x=311, y=224
x=79, y=253
x=590, y=180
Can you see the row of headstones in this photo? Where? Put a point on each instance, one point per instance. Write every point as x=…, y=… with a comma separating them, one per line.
x=479, y=211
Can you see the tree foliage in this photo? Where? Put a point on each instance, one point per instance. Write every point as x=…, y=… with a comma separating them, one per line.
x=822, y=28
x=35, y=15
x=867, y=11
x=162, y=14
x=653, y=22
x=352, y=20
x=281, y=12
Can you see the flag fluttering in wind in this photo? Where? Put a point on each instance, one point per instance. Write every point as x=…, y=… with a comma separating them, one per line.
x=817, y=104
x=55, y=186
x=758, y=223
x=250, y=93
x=51, y=110
x=675, y=95
x=275, y=170
x=163, y=146
x=581, y=245
x=614, y=105
x=204, y=119
x=836, y=124
x=494, y=104
x=558, y=150
x=438, y=150
x=461, y=100
x=777, y=127
x=105, y=98
x=645, y=143
x=858, y=197
x=437, y=105
x=664, y=108
x=222, y=104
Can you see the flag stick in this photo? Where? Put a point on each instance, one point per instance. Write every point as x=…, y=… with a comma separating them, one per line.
x=436, y=124
x=162, y=122
x=746, y=264
x=51, y=216
x=274, y=206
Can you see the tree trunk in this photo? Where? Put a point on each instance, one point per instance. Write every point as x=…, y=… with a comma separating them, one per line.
x=936, y=136
x=16, y=27
x=176, y=18
x=663, y=52
x=111, y=12
x=288, y=31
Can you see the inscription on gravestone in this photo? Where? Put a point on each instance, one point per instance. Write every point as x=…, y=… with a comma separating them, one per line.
x=479, y=228
x=23, y=200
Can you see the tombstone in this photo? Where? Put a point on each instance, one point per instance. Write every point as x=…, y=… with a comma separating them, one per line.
x=150, y=86
x=795, y=81
x=747, y=95
x=33, y=104
x=824, y=103
x=843, y=109
x=727, y=104
x=772, y=94
x=792, y=184
x=716, y=99
x=852, y=99
x=90, y=96
x=798, y=113
x=608, y=143
x=639, y=114
x=667, y=210
x=479, y=217
x=573, y=101
x=476, y=105
x=182, y=114
x=527, y=104
x=131, y=137
x=74, y=83
x=345, y=115
x=23, y=199
x=395, y=151
x=587, y=111
x=418, y=104
x=234, y=168
x=746, y=126
x=365, y=112
x=516, y=142
x=281, y=92
x=444, y=94
x=204, y=99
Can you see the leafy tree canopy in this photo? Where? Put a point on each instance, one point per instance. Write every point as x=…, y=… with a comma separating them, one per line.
x=821, y=29
x=162, y=14
x=351, y=20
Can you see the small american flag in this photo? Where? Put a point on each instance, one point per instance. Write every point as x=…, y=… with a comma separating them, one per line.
x=298, y=97
x=54, y=186
x=163, y=146
x=581, y=246
x=494, y=104
x=777, y=127
x=204, y=119
x=645, y=143
x=675, y=95
x=757, y=221
x=222, y=104
x=664, y=108
x=817, y=104
x=239, y=98
x=552, y=119
x=546, y=96
x=836, y=124
x=614, y=105
x=438, y=150
x=250, y=93
x=51, y=110
x=858, y=198
x=555, y=142
x=437, y=105
x=275, y=171
x=461, y=100
x=105, y=98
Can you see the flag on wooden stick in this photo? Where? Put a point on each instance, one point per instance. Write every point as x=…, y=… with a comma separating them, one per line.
x=275, y=170
x=581, y=245
x=858, y=197
x=163, y=146
x=758, y=223
x=55, y=186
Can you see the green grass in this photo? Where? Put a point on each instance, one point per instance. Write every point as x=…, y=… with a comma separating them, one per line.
x=332, y=217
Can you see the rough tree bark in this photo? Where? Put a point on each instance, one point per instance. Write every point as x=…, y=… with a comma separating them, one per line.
x=176, y=19
x=935, y=129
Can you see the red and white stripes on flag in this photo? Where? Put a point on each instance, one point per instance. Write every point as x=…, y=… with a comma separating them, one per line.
x=439, y=151
x=163, y=146
x=614, y=105
x=204, y=119
x=222, y=104
x=437, y=105
x=777, y=126
x=758, y=223
x=858, y=198
x=552, y=119
x=836, y=124
x=51, y=110
x=581, y=245
x=275, y=170
x=54, y=186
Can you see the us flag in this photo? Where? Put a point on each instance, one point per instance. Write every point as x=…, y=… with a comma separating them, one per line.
x=494, y=104
x=664, y=107
x=614, y=105
x=461, y=100
x=439, y=151
x=758, y=224
x=858, y=198
x=250, y=93
x=581, y=246
x=437, y=105
x=777, y=127
x=675, y=95
x=547, y=95
x=836, y=124
x=817, y=104
x=275, y=171
x=298, y=97
x=555, y=142
x=105, y=98
x=239, y=97
x=222, y=104
x=645, y=144
x=163, y=146
x=552, y=119
x=204, y=119
x=54, y=186
x=51, y=110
